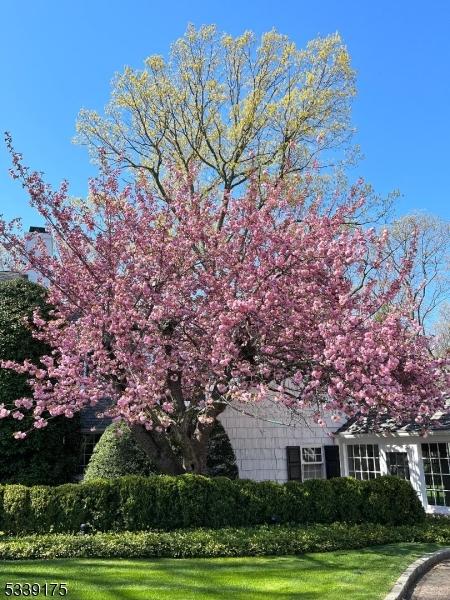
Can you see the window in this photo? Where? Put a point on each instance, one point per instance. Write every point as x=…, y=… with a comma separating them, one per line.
x=436, y=466
x=88, y=442
x=363, y=461
x=304, y=463
x=312, y=463
x=397, y=464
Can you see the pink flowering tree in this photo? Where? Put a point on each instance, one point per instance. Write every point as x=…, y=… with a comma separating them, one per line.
x=176, y=309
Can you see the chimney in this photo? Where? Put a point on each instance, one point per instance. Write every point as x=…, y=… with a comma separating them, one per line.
x=37, y=237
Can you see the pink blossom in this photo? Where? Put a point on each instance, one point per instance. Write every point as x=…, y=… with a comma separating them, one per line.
x=156, y=307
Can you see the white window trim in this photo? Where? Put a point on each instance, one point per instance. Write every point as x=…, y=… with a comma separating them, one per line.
x=431, y=508
x=321, y=462
x=360, y=442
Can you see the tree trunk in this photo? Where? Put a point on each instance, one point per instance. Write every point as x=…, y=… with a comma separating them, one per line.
x=191, y=457
x=195, y=455
x=158, y=450
x=181, y=449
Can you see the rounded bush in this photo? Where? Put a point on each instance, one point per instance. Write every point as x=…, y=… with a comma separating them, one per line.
x=117, y=454
x=388, y=500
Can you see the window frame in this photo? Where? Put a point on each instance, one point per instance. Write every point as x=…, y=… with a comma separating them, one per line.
x=89, y=439
x=436, y=498
x=354, y=457
x=406, y=466
x=315, y=463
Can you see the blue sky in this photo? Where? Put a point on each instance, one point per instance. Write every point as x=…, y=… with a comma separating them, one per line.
x=57, y=56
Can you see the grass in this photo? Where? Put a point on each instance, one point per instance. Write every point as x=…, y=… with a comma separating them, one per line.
x=364, y=574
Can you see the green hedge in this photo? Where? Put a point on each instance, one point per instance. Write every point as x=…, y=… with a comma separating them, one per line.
x=264, y=540
x=165, y=503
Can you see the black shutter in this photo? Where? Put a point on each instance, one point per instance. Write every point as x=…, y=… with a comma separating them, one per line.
x=332, y=464
x=294, y=465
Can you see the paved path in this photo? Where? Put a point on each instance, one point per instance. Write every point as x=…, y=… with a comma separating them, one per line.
x=435, y=585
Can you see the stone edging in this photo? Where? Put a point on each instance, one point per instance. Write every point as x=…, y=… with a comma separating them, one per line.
x=404, y=584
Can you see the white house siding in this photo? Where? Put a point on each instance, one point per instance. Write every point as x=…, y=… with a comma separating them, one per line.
x=260, y=446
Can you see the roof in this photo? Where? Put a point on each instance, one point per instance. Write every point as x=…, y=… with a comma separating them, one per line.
x=9, y=275
x=89, y=418
x=385, y=424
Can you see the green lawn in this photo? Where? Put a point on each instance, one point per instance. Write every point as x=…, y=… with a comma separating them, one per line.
x=357, y=575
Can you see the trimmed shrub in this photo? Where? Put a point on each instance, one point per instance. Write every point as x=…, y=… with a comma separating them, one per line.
x=321, y=501
x=117, y=454
x=16, y=509
x=49, y=455
x=263, y=540
x=382, y=498
x=44, y=508
x=163, y=502
x=221, y=461
x=349, y=498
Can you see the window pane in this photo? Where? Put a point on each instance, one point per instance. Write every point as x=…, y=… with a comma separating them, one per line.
x=437, y=476
x=308, y=455
x=426, y=450
x=397, y=464
x=312, y=466
x=363, y=461
x=88, y=442
x=312, y=472
x=433, y=450
x=442, y=450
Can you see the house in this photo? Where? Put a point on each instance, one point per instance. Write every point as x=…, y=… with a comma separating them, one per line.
x=269, y=447
x=270, y=443
x=401, y=451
